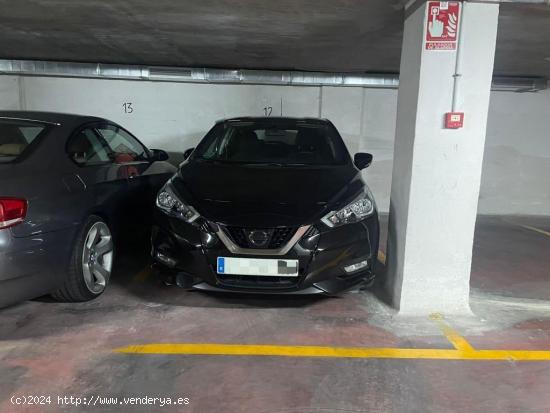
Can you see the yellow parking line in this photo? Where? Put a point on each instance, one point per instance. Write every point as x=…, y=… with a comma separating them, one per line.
x=381, y=257
x=540, y=231
x=142, y=275
x=333, y=352
x=459, y=342
x=462, y=351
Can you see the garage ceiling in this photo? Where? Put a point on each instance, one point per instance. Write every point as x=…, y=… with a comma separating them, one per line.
x=323, y=35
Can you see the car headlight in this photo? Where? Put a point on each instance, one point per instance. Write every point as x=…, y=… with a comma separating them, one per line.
x=170, y=203
x=356, y=211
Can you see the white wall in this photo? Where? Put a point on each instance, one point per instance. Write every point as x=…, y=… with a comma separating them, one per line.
x=174, y=116
x=9, y=93
x=366, y=120
x=516, y=166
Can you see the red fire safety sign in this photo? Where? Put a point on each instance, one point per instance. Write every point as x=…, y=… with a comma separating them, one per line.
x=442, y=25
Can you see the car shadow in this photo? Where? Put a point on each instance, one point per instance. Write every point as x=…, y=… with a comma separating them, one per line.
x=134, y=288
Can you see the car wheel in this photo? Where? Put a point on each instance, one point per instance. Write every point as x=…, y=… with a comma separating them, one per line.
x=91, y=263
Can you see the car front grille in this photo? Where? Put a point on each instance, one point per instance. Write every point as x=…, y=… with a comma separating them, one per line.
x=261, y=238
x=258, y=282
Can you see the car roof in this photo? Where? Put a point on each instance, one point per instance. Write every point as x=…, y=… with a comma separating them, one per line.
x=275, y=119
x=53, y=118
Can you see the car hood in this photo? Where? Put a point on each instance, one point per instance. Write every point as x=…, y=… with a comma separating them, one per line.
x=260, y=196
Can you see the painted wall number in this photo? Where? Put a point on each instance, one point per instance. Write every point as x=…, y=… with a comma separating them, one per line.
x=128, y=108
x=268, y=110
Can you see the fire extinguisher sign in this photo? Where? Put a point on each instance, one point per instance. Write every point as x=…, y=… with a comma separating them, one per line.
x=442, y=25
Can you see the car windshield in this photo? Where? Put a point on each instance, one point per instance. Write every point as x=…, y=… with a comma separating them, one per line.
x=278, y=142
x=16, y=136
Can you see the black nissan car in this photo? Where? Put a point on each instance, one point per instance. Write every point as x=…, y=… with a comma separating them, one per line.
x=268, y=205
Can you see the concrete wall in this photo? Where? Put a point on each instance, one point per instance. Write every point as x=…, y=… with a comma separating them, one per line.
x=174, y=116
x=9, y=93
x=516, y=165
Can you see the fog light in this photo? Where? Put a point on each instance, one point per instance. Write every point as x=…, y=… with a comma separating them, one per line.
x=356, y=267
x=165, y=259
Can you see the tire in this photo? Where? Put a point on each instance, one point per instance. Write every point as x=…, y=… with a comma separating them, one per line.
x=91, y=263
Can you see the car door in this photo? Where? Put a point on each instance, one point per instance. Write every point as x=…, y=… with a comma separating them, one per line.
x=99, y=184
x=144, y=179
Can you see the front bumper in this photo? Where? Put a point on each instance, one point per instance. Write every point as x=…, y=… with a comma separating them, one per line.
x=192, y=250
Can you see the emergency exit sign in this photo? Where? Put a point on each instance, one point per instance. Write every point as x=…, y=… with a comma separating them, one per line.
x=442, y=25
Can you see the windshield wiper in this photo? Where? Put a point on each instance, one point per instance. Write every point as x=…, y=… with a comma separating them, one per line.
x=210, y=160
x=278, y=164
x=264, y=164
x=275, y=164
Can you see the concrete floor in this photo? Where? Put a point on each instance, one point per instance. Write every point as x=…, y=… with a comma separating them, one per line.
x=68, y=349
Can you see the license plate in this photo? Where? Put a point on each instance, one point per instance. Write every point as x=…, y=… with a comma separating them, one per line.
x=258, y=267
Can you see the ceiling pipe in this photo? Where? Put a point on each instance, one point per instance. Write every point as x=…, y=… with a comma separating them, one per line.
x=410, y=6
x=234, y=76
x=409, y=3
x=547, y=2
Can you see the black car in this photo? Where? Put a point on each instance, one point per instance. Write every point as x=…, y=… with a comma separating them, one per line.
x=70, y=185
x=270, y=205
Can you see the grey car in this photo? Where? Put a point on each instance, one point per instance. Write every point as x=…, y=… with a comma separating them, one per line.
x=71, y=188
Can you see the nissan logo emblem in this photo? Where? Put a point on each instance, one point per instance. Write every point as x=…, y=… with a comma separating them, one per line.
x=258, y=238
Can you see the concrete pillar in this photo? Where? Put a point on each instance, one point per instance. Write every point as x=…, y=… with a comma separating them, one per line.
x=437, y=171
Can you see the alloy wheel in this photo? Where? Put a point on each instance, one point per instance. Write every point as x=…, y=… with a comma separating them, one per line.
x=97, y=257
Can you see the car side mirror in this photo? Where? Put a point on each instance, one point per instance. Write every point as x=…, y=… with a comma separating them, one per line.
x=159, y=155
x=188, y=153
x=362, y=160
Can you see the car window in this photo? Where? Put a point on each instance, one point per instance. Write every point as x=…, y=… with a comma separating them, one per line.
x=16, y=136
x=123, y=146
x=281, y=142
x=87, y=148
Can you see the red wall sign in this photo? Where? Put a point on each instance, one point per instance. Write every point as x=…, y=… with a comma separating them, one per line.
x=442, y=25
x=454, y=120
